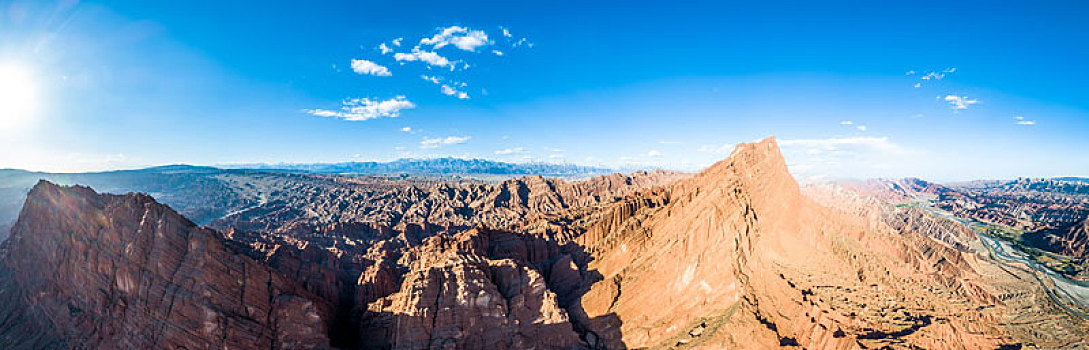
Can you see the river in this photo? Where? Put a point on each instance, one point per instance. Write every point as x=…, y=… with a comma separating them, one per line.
x=1071, y=295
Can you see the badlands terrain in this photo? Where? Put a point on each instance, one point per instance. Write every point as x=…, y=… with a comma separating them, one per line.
x=737, y=256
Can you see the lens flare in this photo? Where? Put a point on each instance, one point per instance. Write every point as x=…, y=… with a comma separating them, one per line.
x=18, y=96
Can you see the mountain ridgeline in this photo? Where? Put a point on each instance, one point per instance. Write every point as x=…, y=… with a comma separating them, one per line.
x=205, y=193
x=736, y=256
x=435, y=166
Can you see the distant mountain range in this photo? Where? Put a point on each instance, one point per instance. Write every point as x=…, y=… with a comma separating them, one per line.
x=198, y=192
x=1073, y=179
x=202, y=194
x=737, y=256
x=432, y=166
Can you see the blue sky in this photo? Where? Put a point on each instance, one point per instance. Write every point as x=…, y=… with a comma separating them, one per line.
x=127, y=84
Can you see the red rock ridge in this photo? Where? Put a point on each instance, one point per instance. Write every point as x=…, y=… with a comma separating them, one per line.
x=736, y=256
x=84, y=270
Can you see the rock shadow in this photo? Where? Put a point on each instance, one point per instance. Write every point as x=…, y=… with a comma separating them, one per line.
x=564, y=269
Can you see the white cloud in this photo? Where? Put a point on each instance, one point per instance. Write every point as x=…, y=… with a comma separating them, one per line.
x=463, y=38
x=360, y=109
x=508, y=151
x=369, y=68
x=430, y=57
x=56, y=160
x=850, y=123
x=443, y=141
x=717, y=149
x=933, y=76
x=397, y=42
x=654, y=153
x=522, y=41
x=384, y=49
x=910, y=72
x=959, y=102
x=497, y=52
x=506, y=32
x=450, y=91
x=918, y=85
x=1021, y=121
x=812, y=159
x=407, y=129
x=664, y=142
x=830, y=143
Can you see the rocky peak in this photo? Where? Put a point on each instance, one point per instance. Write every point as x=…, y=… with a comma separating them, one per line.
x=732, y=257
x=89, y=270
x=739, y=244
x=758, y=166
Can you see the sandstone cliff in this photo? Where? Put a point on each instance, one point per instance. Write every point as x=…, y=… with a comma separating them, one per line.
x=84, y=270
x=737, y=256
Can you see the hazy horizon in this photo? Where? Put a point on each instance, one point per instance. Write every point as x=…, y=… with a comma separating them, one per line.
x=939, y=91
x=801, y=179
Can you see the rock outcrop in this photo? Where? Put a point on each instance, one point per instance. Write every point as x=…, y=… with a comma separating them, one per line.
x=1043, y=215
x=474, y=290
x=1074, y=240
x=85, y=270
x=1024, y=204
x=1070, y=240
x=430, y=207
x=736, y=256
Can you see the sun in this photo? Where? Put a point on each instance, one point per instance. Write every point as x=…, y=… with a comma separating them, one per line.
x=18, y=95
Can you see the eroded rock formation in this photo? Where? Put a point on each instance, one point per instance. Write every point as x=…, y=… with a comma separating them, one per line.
x=84, y=270
x=737, y=256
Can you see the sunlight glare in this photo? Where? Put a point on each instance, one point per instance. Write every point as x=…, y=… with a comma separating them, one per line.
x=18, y=94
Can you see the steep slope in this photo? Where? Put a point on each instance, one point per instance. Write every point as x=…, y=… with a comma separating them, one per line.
x=478, y=289
x=898, y=190
x=413, y=267
x=84, y=270
x=1024, y=204
x=1069, y=240
x=195, y=192
x=430, y=208
x=736, y=256
x=1075, y=240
